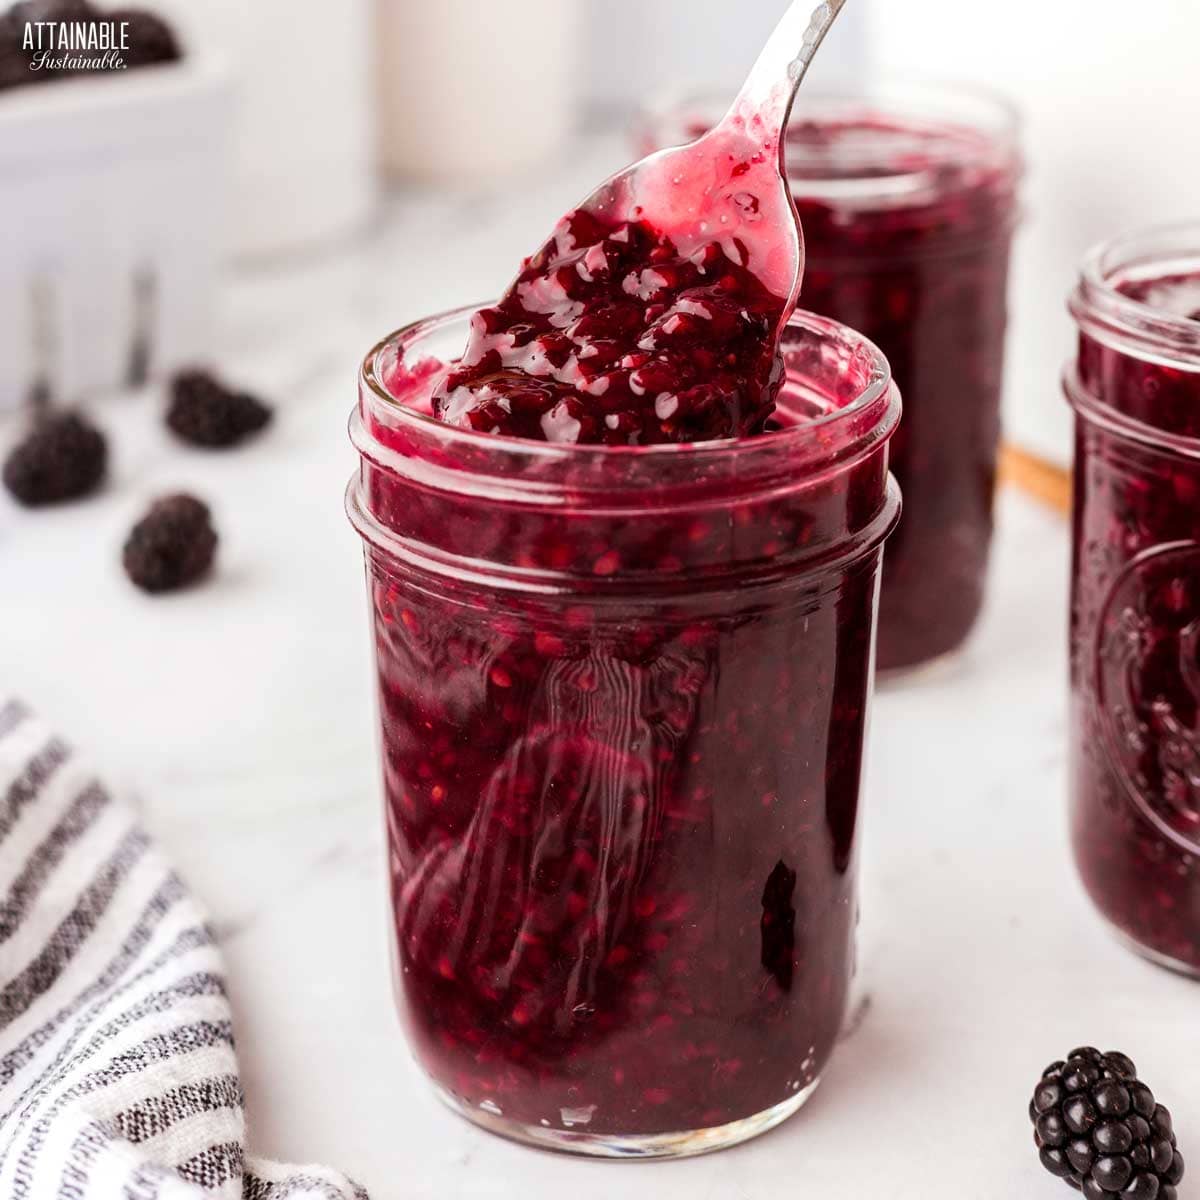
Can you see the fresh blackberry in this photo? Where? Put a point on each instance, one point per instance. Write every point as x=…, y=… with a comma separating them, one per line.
x=205, y=412
x=171, y=546
x=63, y=457
x=31, y=11
x=14, y=61
x=150, y=39
x=55, y=10
x=13, y=68
x=1099, y=1129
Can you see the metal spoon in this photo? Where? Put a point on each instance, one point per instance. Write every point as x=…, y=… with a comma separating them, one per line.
x=730, y=185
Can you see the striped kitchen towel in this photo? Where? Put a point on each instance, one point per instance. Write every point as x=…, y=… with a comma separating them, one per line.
x=118, y=1075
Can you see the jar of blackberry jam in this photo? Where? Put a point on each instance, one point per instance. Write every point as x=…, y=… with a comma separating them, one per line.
x=907, y=195
x=1135, y=598
x=623, y=694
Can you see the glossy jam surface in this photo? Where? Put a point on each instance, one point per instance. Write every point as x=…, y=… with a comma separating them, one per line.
x=1135, y=636
x=610, y=335
x=907, y=226
x=623, y=738
x=653, y=313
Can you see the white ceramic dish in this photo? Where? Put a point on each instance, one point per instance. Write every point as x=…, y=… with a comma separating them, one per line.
x=112, y=198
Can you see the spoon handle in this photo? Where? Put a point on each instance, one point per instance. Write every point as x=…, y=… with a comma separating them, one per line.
x=771, y=86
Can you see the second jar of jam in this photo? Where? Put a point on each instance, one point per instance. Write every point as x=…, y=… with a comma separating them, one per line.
x=907, y=195
x=1135, y=597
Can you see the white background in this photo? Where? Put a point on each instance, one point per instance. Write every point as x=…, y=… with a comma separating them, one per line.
x=635, y=47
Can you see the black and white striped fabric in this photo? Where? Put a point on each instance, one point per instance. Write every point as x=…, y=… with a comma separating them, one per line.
x=118, y=1077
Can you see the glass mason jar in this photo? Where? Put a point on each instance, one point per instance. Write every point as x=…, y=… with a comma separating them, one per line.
x=623, y=694
x=1135, y=597
x=907, y=195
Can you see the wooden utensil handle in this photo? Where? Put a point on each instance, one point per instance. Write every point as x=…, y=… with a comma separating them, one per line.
x=1036, y=476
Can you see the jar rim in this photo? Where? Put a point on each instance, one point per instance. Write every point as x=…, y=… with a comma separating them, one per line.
x=1125, y=323
x=927, y=103
x=465, y=471
x=880, y=388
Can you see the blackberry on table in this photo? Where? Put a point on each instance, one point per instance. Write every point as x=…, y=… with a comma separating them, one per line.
x=63, y=457
x=55, y=10
x=1099, y=1129
x=15, y=59
x=150, y=39
x=205, y=412
x=172, y=545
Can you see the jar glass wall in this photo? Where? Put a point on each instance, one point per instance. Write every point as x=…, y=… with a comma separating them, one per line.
x=907, y=196
x=623, y=695
x=1135, y=600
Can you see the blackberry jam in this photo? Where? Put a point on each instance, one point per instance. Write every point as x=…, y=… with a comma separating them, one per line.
x=1135, y=601
x=623, y=693
x=612, y=335
x=907, y=196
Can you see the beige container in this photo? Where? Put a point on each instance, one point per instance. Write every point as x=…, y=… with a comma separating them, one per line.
x=473, y=90
x=303, y=139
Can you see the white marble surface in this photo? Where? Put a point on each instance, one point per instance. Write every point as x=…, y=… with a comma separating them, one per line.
x=241, y=717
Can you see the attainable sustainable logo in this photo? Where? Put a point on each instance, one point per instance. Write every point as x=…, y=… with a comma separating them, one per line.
x=94, y=45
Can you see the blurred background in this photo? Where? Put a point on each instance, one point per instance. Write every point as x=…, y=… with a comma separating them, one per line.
x=307, y=177
x=289, y=130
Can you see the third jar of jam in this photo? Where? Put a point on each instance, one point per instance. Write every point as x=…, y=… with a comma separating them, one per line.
x=907, y=195
x=1135, y=594
x=1135, y=607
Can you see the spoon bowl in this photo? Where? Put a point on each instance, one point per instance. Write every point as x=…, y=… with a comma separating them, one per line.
x=730, y=185
x=655, y=310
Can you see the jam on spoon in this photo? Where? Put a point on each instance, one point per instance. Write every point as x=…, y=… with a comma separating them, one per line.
x=610, y=335
x=653, y=313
